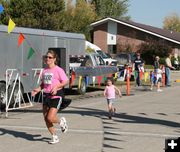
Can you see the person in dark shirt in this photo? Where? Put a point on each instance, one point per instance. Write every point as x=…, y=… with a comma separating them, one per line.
x=156, y=64
x=138, y=64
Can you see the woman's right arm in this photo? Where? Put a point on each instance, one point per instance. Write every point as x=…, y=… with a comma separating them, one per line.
x=35, y=91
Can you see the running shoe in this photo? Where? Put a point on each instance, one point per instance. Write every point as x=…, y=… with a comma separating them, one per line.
x=159, y=90
x=54, y=140
x=63, y=125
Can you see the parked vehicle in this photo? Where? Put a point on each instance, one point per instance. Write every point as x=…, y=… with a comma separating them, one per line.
x=125, y=59
x=107, y=59
x=17, y=71
x=92, y=69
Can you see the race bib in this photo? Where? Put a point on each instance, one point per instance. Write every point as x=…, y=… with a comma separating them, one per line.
x=48, y=78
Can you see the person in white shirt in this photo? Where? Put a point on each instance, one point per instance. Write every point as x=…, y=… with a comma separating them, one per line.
x=159, y=78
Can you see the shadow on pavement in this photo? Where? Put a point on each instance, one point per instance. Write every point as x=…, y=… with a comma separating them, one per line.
x=24, y=135
x=108, y=125
x=144, y=120
x=75, y=92
x=109, y=135
x=126, y=118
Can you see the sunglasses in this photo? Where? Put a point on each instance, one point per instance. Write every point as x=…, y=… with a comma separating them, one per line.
x=49, y=57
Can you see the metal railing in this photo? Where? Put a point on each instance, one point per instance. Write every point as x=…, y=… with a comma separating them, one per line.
x=14, y=96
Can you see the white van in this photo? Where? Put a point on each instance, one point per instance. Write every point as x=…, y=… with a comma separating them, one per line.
x=107, y=59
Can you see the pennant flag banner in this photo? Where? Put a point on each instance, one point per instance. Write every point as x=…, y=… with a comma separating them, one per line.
x=11, y=26
x=87, y=80
x=20, y=39
x=73, y=76
x=30, y=53
x=1, y=8
x=99, y=80
x=80, y=81
x=146, y=76
x=94, y=81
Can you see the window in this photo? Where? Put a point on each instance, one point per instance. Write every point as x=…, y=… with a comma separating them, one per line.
x=112, y=49
x=99, y=60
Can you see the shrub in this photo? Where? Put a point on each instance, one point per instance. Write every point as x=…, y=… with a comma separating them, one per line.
x=154, y=48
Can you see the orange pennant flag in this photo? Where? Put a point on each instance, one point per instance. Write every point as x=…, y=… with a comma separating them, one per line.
x=11, y=25
x=99, y=80
x=20, y=39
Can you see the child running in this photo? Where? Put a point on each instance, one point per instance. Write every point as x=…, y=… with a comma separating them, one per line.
x=110, y=94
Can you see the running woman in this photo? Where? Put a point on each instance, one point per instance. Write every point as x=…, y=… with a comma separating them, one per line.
x=53, y=80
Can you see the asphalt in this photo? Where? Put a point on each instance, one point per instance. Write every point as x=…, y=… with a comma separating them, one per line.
x=142, y=123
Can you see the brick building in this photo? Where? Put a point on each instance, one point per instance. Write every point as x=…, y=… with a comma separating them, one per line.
x=113, y=35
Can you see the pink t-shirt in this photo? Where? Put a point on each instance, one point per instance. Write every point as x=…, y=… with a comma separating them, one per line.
x=110, y=92
x=50, y=78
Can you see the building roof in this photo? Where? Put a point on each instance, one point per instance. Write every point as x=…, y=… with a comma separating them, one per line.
x=161, y=33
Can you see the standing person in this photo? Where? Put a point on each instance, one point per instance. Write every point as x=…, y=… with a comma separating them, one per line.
x=53, y=80
x=110, y=94
x=157, y=75
x=137, y=66
x=168, y=68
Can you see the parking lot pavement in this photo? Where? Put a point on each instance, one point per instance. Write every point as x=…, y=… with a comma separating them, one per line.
x=142, y=123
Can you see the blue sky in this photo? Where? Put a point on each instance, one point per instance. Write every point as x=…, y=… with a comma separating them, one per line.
x=152, y=12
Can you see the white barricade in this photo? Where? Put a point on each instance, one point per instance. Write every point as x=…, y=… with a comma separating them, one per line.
x=14, y=95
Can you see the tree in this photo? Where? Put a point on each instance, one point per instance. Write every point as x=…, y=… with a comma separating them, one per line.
x=44, y=14
x=78, y=18
x=111, y=8
x=53, y=15
x=50, y=14
x=152, y=48
x=172, y=23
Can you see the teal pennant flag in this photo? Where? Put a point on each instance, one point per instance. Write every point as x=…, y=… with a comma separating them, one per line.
x=30, y=53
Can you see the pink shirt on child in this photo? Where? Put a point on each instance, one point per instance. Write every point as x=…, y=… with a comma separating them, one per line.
x=110, y=92
x=51, y=77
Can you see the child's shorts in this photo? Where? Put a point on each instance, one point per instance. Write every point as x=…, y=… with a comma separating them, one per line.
x=153, y=80
x=159, y=79
x=110, y=101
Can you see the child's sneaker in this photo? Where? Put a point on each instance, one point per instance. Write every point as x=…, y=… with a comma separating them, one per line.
x=54, y=140
x=159, y=90
x=63, y=125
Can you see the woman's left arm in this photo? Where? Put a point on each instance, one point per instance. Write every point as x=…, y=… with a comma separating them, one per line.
x=62, y=84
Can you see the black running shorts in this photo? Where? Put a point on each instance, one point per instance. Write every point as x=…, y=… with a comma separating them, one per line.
x=52, y=103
